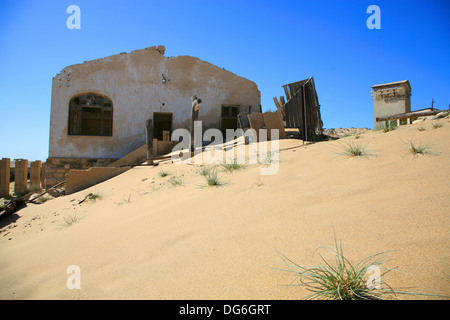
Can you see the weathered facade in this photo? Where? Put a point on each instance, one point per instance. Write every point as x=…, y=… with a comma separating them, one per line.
x=99, y=107
x=390, y=99
x=392, y=105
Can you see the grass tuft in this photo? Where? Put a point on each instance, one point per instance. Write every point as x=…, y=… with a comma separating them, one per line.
x=437, y=125
x=125, y=200
x=352, y=149
x=267, y=158
x=338, y=279
x=387, y=126
x=212, y=178
x=259, y=182
x=416, y=150
x=204, y=171
x=163, y=173
x=95, y=196
x=175, y=182
x=231, y=167
x=71, y=220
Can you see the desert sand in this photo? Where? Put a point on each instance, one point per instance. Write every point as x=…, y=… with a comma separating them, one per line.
x=148, y=239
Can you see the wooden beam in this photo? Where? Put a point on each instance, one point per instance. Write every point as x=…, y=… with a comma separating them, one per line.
x=149, y=139
x=277, y=104
x=283, y=106
x=287, y=93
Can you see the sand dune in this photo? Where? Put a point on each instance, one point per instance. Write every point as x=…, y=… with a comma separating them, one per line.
x=148, y=239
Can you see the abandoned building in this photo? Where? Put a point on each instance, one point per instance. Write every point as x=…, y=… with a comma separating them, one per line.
x=301, y=109
x=392, y=105
x=99, y=108
x=391, y=98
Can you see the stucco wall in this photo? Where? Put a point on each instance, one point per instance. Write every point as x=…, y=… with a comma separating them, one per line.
x=391, y=99
x=134, y=83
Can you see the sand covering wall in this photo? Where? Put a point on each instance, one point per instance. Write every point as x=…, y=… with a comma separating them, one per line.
x=149, y=239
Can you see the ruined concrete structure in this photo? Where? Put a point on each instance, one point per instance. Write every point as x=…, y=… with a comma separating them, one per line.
x=99, y=108
x=392, y=105
x=391, y=99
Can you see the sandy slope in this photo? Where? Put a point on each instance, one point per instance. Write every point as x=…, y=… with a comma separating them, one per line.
x=146, y=239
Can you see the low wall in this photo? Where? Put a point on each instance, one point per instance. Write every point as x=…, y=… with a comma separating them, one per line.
x=57, y=169
x=81, y=179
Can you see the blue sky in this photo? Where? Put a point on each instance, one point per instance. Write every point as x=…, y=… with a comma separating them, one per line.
x=269, y=42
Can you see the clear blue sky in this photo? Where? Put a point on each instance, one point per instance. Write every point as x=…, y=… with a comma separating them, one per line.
x=269, y=42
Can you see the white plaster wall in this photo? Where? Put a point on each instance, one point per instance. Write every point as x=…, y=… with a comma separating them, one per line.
x=134, y=84
x=392, y=105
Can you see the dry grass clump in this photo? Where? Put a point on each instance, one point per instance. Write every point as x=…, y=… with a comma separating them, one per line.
x=212, y=178
x=175, y=182
x=352, y=149
x=204, y=171
x=231, y=167
x=338, y=279
x=267, y=158
x=71, y=220
x=95, y=196
x=437, y=125
x=416, y=150
x=163, y=173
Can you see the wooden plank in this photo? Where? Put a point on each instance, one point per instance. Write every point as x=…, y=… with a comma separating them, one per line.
x=274, y=120
x=288, y=110
x=277, y=104
x=304, y=122
x=256, y=121
x=149, y=139
x=298, y=113
x=283, y=104
x=287, y=93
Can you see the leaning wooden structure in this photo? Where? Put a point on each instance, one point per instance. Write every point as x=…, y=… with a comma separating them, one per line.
x=302, y=109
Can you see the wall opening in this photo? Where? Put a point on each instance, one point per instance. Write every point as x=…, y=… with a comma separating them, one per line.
x=162, y=125
x=90, y=114
x=229, y=118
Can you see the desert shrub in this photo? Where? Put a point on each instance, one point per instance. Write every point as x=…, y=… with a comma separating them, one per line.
x=231, y=167
x=352, y=149
x=212, y=178
x=339, y=279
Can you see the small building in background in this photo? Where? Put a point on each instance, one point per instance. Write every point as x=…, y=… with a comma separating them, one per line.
x=391, y=99
x=392, y=106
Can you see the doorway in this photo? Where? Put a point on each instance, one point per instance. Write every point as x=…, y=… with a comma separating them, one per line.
x=162, y=125
x=229, y=118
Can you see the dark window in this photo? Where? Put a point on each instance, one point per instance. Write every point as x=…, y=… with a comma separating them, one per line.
x=230, y=112
x=90, y=114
